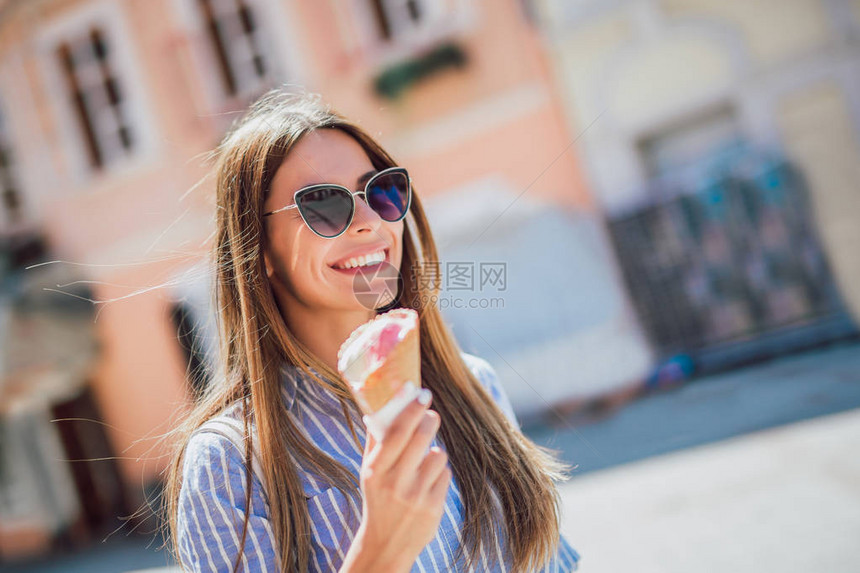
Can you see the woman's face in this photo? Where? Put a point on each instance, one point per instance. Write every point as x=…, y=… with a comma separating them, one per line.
x=302, y=266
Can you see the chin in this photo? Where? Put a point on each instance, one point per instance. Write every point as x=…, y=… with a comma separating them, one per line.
x=370, y=300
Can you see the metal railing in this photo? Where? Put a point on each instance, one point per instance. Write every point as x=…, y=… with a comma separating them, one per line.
x=730, y=261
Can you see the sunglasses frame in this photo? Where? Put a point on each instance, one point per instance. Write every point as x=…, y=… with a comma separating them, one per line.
x=352, y=194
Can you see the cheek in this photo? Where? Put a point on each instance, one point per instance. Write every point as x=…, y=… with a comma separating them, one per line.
x=308, y=265
x=299, y=255
x=309, y=268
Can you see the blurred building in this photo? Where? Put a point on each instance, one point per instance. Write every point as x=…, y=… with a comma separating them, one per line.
x=726, y=157
x=107, y=109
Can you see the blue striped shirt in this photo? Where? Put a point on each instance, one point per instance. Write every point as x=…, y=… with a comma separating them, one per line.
x=212, y=498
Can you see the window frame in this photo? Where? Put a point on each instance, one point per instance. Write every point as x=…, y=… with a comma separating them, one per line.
x=283, y=56
x=457, y=18
x=125, y=68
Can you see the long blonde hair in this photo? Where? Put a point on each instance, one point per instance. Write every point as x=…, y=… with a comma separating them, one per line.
x=486, y=452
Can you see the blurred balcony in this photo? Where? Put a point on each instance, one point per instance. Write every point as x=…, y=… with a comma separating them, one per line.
x=724, y=263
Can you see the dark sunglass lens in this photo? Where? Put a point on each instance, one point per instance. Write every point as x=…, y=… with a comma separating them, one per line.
x=326, y=210
x=388, y=195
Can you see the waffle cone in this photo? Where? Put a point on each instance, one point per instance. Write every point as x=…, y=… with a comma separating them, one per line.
x=402, y=364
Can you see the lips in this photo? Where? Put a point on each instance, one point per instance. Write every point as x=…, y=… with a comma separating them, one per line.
x=367, y=259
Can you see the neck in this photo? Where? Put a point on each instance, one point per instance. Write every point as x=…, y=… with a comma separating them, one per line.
x=322, y=332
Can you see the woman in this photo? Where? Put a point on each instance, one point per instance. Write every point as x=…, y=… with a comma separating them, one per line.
x=276, y=472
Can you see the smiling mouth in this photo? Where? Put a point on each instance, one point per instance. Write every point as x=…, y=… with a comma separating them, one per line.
x=365, y=262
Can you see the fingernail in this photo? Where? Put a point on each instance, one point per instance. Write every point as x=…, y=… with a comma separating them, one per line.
x=424, y=396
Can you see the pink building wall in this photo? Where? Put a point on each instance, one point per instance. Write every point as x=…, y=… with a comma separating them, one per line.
x=503, y=108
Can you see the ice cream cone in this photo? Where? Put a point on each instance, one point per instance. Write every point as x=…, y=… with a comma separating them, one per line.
x=380, y=356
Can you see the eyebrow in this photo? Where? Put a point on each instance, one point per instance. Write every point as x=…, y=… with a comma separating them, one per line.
x=363, y=179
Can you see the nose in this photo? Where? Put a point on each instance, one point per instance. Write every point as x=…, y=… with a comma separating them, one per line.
x=365, y=219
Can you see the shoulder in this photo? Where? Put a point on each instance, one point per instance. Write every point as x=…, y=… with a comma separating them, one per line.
x=207, y=445
x=489, y=379
x=210, y=459
x=479, y=367
x=218, y=438
x=213, y=506
x=214, y=461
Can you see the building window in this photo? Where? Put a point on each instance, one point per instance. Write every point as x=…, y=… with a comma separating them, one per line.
x=11, y=212
x=232, y=27
x=97, y=97
x=396, y=18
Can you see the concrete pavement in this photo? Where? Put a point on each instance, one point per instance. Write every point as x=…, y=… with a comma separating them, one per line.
x=785, y=499
x=705, y=410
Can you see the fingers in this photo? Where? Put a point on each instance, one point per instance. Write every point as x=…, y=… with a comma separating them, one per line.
x=415, y=450
x=431, y=467
x=398, y=434
x=439, y=490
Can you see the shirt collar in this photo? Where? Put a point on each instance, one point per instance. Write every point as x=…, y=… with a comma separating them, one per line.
x=292, y=377
x=294, y=381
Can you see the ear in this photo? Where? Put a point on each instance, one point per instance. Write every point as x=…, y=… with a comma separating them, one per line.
x=270, y=269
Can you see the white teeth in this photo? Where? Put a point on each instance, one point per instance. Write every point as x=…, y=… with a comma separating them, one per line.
x=362, y=261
